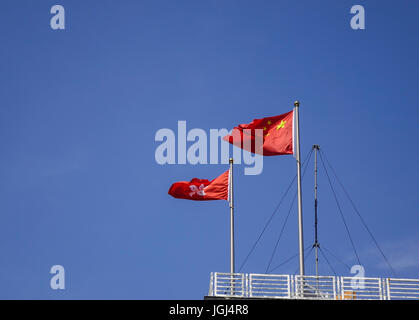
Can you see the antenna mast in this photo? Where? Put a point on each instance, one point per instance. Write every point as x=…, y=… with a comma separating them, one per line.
x=316, y=244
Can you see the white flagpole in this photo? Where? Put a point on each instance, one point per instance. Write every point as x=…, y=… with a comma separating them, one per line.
x=300, y=204
x=231, y=202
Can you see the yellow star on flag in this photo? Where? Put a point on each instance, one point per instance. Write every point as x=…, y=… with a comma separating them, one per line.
x=281, y=125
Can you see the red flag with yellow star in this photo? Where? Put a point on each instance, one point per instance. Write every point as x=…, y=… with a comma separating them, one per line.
x=269, y=136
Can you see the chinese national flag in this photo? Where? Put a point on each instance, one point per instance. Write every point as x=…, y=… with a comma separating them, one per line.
x=202, y=189
x=275, y=134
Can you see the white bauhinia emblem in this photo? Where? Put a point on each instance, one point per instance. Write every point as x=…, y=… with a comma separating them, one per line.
x=195, y=190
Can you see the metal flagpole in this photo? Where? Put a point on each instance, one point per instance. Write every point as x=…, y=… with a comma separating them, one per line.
x=231, y=202
x=300, y=203
x=231, y=218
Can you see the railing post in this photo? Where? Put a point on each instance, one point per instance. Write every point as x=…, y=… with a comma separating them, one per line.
x=232, y=284
x=334, y=287
x=215, y=284
x=244, y=289
x=247, y=285
x=337, y=288
x=291, y=285
x=250, y=285
x=210, y=293
x=380, y=288
x=388, y=289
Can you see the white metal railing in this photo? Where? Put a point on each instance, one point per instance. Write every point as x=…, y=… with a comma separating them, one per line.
x=361, y=288
x=228, y=284
x=402, y=288
x=312, y=287
x=269, y=286
x=243, y=285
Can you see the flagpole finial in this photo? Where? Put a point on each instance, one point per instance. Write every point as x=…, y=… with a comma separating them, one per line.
x=297, y=103
x=231, y=160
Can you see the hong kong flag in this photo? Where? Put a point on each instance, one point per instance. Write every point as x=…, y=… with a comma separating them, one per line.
x=269, y=136
x=202, y=189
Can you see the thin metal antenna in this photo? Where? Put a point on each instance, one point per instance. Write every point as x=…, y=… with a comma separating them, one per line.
x=316, y=244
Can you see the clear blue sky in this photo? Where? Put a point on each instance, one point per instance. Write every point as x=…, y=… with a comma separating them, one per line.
x=79, y=108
